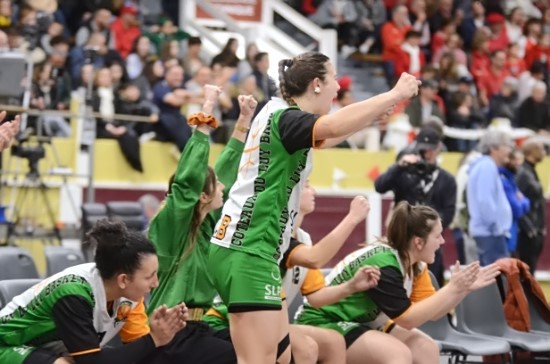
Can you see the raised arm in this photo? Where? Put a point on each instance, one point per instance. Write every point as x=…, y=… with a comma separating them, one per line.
x=318, y=255
x=359, y=115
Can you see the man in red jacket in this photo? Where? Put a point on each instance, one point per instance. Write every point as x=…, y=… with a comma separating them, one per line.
x=125, y=29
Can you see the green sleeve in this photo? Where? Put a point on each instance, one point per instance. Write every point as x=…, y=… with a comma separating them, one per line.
x=227, y=168
x=169, y=228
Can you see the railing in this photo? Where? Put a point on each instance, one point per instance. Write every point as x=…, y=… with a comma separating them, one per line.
x=265, y=30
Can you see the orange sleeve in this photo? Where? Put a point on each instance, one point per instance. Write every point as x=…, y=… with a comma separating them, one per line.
x=422, y=287
x=136, y=324
x=313, y=282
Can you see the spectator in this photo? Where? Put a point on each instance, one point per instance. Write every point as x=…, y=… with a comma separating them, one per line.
x=498, y=38
x=462, y=116
x=170, y=50
x=371, y=15
x=95, y=51
x=505, y=103
x=471, y=25
x=418, y=179
x=528, y=79
x=164, y=32
x=411, y=58
x=55, y=30
x=195, y=87
x=192, y=60
x=515, y=24
x=450, y=74
x=150, y=205
x=125, y=29
x=136, y=60
x=534, y=112
x=265, y=83
x=532, y=226
x=393, y=35
x=340, y=15
x=170, y=96
x=419, y=21
x=228, y=56
x=246, y=66
x=448, y=28
x=490, y=82
x=488, y=207
x=104, y=102
x=119, y=74
x=129, y=101
x=99, y=23
x=153, y=72
x=515, y=64
x=453, y=45
x=540, y=52
x=444, y=14
x=48, y=93
x=424, y=105
x=519, y=204
x=533, y=31
x=481, y=60
x=6, y=14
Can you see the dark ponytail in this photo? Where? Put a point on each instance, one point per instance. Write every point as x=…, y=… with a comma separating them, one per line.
x=407, y=222
x=118, y=250
x=296, y=74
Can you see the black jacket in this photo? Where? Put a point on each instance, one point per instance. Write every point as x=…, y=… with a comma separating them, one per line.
x=407, y=186
x=533, y=222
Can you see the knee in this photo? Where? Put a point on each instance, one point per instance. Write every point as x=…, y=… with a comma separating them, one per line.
x=425, y=350
x=401, y=355
x=306, y=352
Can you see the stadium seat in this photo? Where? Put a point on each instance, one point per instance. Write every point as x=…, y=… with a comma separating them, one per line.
x=59, y=258
x=458, y=344
x=13, y=287
x=16, y=263
x=91, y=213
x=481, y=312
x=130, y=212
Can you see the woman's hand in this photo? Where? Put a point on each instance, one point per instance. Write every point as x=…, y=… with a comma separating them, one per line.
x=166, y=322
x=463, y=279
x=365, y=279
x=359, y=208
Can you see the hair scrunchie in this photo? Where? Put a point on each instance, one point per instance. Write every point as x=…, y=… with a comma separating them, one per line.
x=202, y=118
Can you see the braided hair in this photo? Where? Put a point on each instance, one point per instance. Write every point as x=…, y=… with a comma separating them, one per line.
x=296, y=74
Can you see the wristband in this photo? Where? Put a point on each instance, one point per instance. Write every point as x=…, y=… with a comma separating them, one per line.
x=202, y=118
x=241, y=128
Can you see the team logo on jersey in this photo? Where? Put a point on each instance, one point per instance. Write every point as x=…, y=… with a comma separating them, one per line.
x=123, y=311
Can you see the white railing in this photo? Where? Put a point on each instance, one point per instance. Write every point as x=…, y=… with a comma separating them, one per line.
x=264, y=31
x=326, y=38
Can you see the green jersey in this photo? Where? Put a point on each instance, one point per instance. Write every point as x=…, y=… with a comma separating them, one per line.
x=392, y=296
x=258, y=216
x=184, y=277
x=70, y=307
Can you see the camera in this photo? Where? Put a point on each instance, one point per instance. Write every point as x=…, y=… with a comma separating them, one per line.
x=421, y=168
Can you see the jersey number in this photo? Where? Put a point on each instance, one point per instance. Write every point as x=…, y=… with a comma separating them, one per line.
x=220, y=233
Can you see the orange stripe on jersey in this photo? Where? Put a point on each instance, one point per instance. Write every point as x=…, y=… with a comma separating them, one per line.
x=422, y=286
x=84, y=352
x=288, y=263
x=314, y=142
x=135, y=325
x=313, y=282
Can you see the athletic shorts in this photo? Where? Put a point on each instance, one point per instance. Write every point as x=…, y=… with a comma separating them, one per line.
x=45, y=354
x=351, y=331
x=245, y=282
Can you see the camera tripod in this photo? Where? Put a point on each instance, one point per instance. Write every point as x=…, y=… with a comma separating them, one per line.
x=33, y=182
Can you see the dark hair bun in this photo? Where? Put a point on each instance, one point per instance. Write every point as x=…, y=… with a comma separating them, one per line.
x=108, y=234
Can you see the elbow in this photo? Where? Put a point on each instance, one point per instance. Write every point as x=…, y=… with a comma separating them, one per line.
x=313, y=263
x=407, y=323
x=315, y=303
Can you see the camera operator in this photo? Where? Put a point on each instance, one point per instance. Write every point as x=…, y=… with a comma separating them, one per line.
x=418, y=179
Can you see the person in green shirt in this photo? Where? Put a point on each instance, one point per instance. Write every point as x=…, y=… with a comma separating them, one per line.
x=257, y=218
x=379, y=325
x=165, y=31
x=183, y=226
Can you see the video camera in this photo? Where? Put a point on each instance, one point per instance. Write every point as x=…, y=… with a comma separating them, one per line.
x=33, y=153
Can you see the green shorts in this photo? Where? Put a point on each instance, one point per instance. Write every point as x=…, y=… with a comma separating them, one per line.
x=351, y=331
x=245, y=282
x=26, y=355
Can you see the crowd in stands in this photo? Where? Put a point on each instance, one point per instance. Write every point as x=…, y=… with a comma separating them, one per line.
x=130, y=65
x=479, y=60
